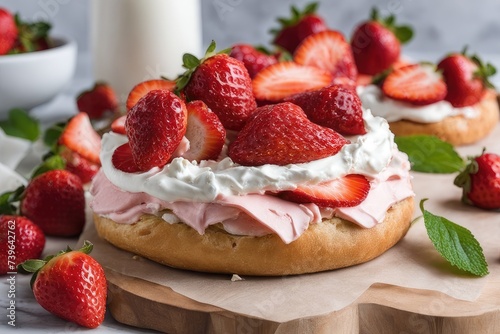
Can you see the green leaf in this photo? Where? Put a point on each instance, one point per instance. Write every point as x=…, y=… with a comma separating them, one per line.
x=8, y=198
x=20, y=124
x=429, y=154
x=52, y=134
x=189, y=61
x=51, y=163
x=403, y=33
x=455, y=243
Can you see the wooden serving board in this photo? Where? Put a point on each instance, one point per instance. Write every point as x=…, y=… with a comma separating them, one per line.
x=381, y=309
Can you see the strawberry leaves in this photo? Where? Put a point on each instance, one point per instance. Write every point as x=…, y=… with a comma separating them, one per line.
x=403, y=33
x=20, y=124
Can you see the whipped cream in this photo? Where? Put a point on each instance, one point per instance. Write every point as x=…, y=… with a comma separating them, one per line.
x=373, y=98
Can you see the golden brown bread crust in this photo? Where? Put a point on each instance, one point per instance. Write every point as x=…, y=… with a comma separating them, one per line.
x=457, y=130
x=332, y=244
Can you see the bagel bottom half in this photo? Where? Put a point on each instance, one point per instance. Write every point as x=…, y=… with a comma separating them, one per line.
x=456, y=130
x=331, y=244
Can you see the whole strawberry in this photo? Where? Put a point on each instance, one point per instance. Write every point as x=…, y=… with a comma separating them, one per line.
x=466, y=78
x=78, y=165
x=254, y=60
x=376, y=43
x=55, y=201
x=480, y=181
x=70, y=285
x=20, y=240
x=8, y=31
x=98, y=100
x=223, y=83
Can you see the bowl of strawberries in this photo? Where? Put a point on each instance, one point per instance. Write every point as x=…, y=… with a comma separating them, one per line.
x=34, y=66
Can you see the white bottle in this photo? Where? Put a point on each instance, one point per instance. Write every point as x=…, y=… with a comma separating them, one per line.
x=137, y=40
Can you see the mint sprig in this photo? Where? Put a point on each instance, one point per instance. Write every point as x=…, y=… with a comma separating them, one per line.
x=455, y=243
x=20, y=124
x=429, y=154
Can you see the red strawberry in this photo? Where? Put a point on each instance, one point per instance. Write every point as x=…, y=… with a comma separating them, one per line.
x=376, y=43
x=8, y=31
x=55, y=201
x=145, y=87
x=223, y=83
x=295, y=29
x=466, y=79
x=480, y=181
x=81, y=167
x=80, y=137
x=335, y=107
x=281, y=134
x=70, y=285
x=329, y=51
x=346, y=191
x=205, y=133
x=118, y=125
x=20, y=240
x=280, y=80
x=155, y=127
x=253, y=59
x=417, y=84
x=123, y=160
x=98, y=100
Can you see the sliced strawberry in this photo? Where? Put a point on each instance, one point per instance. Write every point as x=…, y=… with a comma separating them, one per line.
x=80, y=137
x=81, y=167
x=346, y=191
x=144, y=87
x=205, y=133
x=123, y=160
x=419, y=84
x=98, y=100
x=327, y=50
x=280, y=80
x=118, y=125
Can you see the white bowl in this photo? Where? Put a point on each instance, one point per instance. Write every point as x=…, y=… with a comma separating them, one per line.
x=30, y=79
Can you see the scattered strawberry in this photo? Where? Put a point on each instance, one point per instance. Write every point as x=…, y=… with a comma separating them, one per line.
x=97, y=101
x=70, y=285
x=55, y=201
x=335, y=107
x=480, y=181
x=8, y=31
x=253, y=59
x=280, y=80
x=329, y=51
x=145, y=87
x=295, y=29
x=281, y=134
x=205, y=133
x=346, y=191
x=20, y=240
x=118, y=125
x=33, y=36
x=80, y=137
x=376, y=43
x=418, y=84
x=155, y=127
x=223, y=83
x=466, y=78
x=81, y=167
x=123, y=160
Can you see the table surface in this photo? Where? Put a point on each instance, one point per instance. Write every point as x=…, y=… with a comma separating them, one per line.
x=31, y=317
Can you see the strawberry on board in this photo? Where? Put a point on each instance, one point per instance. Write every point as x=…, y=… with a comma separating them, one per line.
x=480, y=181
x=8, y=31
x=418, y=84
x=222, y=82
x=281, y=134
x=280, y=80
x=20, y=240
x=327, y=50
x=71, y=285
x=335, y=107
x=346, y=191
x=205, y=133
x=254, y=60
x=466, y=78
x=145, y=87
x=98, y=100
x=80, y=137
x=376, y=43
x=295, y=29
x=155, y=127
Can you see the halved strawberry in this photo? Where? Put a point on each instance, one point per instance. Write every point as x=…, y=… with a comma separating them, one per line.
x=98, y=100
x=419, y=84
x=123, y=160
x=346, y=191
x=145, y=87
x=205, y=132
x=329, y=51
x=280, y=80
x=78, y=165
x=80, y=136
x=118, y=125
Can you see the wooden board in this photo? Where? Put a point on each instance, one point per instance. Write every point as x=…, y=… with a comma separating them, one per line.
x=381, y=309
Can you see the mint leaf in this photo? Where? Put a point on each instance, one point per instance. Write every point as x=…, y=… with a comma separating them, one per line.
x=20, y=124
x=455, y=243
x=429, y=154
x=52, y=134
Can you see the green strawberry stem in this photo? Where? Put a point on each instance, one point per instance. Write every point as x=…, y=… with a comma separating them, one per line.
x=295, y=16
x=404, y=33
